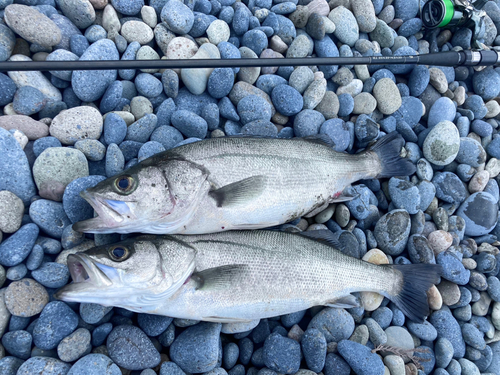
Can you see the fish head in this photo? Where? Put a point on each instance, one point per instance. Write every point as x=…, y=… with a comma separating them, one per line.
x=131, y=274
x=128, y=202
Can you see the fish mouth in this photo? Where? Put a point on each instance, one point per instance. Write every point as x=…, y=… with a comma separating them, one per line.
x=87, y=279
x=107, y=218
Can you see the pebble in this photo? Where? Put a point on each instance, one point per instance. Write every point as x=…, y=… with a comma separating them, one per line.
x=360, y=358
x=74, y=346
x=335, y=324
x=393, y=242
x=56, y=321
x=383, y=34
x=486, y=83
x=39, y=365
x=94, y=363
x=307, y=122
x=387, y=95
x=314, y=348
x=287, y=100
x=314, y=93
x=75, y=207
x=52, y=275
x=197, y=348
x=479, y=214
x=189, y=124
x=449, y=188
x=11, y=212
x=77, y=124
x=32, y=25
x=281, y=354
x=448, y=328
x=442, y=144
x=137, y=31
x=16, y=172
x=346, y=27
x=92, y=149
x=18, y=343
x=31, y=128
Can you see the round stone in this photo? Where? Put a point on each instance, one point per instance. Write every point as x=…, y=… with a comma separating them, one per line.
x=137, y=31
x=74, y=346
x=11, y=212
x=55, y=168
x=387, y=95
x=480, y=214
x=218, y=31
x=442, y=143
x=346, y=27
x=76, y=124
x=25, y=298
x=364, y=103
x=32, y=25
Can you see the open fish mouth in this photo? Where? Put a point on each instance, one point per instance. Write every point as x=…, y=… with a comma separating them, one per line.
x=87, y=278
x=108, y=216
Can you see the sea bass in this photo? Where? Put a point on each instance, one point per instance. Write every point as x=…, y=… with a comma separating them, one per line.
x=238, y=277
x=237, y=183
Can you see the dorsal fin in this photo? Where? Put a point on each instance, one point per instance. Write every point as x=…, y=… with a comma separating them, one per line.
x=324, y=236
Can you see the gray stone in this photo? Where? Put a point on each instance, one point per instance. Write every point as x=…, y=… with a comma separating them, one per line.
x=77, y=123
x=442, y=143
x=346, y=26
x=387, y=95
x=11, y=212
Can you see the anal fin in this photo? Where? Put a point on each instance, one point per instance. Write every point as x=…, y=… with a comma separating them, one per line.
x=346, y=302
x=239, y=192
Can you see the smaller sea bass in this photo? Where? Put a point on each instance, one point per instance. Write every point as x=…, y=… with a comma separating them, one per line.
x=238, y=277
x=237, y=183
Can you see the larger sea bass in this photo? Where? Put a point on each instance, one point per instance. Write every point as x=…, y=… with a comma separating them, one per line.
x=237, y=277
x=234, y=183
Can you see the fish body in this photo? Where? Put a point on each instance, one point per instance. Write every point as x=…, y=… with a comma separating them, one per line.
x=237, y=277
x=236, y=183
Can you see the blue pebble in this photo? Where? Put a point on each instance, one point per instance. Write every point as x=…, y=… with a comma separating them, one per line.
x=365, y=129
x=230, y=356
x=314, y=348
x=28, y=101
x=111, y=97
x=17, y=247
x=58, y=82
x=257, y=358
x=253, y=107
x=327, y=48
x=9, y=365
x=52, y=109
x=307, y=122
x=404, y=195
x=8, y=42
x=406, y=9
x=260, y=333
x=286, y=30
x=194, y=103
x=346, y=103
x=383, y=316
x=410, y=27
x=39, y=365
x=75, y=207
x=404, y=90
x=358, y=206
x=203, y=6
x=141, y=130
x=480, y=214
x=493, y=188
x=463, y=125
x=360, y=358
x=164, y=112
x=170, y=81
x=52, y=275
x=95, y=33
x=262, y=128
x=178, y=17
x=256, y=40
x=229, y=51
x=17, y=272
x=449, y=188
x=289, y=320
x=115, y=158
x=369, y=84
x=493, y=148
x=335, y=324
x=129, y=54
x=486, y=83
x=7, y=89
x=443, y=109
x=481, y=128
x=336, y=365
x=246, y=350
x=153, y=325
x=49, y=216
x=220, y=82
x=384, y=73
x=476, y=104
x=211, y=115
x=56, y=321
x=90, y=85
x=18, y=343
x=424, y=331
x=286, y=7
x=201, y=22
x=452, y=268
x=419, y=79
x=115, y=129
x=167, y=136
x=17, y=323
x=227, y=14
x=129, y=347
x=95, y=364
x=241, y=19
x=473, y=337
x=170, y=368
x=121, y=43
x=196, y=349
x=149, y=149
x=189, y=124
x=128, y=7
x=67, y=30
x=168, y=336
x=281, y=354
x=288, y=101
x=70, y=98
x=78, y=44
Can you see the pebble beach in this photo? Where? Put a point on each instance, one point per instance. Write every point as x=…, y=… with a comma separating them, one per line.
x=62, y=132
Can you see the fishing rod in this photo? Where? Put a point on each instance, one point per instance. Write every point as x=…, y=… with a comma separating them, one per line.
x=449, y=58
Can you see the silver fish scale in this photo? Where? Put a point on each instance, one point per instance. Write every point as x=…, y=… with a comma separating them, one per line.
x=284, y=274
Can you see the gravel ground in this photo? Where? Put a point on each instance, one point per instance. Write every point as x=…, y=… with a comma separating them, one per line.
x=62, y=132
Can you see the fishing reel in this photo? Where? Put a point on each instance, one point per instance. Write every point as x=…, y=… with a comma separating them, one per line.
x=456, y=13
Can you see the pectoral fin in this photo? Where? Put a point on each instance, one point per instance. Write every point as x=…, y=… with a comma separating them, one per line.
x=220, y=277
x=346, y=302
x=239, y=192
x=324, y=236
x=344, y=197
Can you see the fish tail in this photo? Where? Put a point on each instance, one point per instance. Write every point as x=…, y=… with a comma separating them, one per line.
x=387, y=150
x=416, y=281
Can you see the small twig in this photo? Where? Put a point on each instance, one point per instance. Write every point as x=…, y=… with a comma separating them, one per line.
x=405, y=354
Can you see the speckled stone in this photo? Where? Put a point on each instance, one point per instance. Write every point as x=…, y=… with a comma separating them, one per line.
x=25, y=298
x=387, y=95
x=137, y=31
x=11, y=212
x=76, y=124
x=442, y=143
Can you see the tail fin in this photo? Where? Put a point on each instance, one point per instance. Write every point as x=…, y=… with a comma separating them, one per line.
x=387, y=150
x=417, y=279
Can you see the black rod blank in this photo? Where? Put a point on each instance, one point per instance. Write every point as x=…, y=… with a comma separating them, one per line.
x=450, y=58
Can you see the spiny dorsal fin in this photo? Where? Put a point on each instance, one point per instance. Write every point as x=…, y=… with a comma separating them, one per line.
x=240, y=191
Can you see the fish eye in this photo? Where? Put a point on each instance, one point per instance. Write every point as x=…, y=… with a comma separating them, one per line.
x=124, y=184
x=119, y=253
